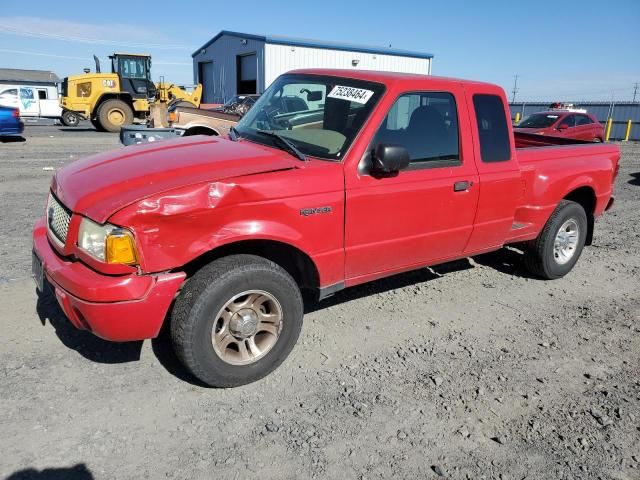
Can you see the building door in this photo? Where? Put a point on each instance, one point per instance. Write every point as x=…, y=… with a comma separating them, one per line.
x=205, y=77
x=247, y=74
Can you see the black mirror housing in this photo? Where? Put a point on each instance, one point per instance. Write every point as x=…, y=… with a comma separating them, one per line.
x=314, y=96
x=389, y=159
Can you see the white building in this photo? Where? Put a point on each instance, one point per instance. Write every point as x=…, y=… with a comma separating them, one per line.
x=238, y=63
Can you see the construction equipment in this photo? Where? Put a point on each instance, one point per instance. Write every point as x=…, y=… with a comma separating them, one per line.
x=112, y=100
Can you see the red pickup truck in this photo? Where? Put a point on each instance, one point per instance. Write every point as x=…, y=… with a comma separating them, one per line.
x=369, y=175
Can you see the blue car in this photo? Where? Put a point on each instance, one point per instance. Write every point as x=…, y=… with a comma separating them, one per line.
x=10, y=123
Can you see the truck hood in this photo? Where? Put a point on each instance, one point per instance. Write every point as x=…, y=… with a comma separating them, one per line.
x=102, y=184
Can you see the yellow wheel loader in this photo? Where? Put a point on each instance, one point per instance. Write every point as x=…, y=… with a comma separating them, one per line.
x=112, y=100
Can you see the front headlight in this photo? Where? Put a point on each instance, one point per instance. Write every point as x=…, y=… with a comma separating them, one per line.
x=107, y=243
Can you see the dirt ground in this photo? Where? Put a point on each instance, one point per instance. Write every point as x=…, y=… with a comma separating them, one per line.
x=469, y=370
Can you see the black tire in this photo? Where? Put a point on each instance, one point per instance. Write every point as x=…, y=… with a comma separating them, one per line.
x=70, y=119
x=207, y=292
x=108, y=108
x=96, y=125
x=540, y=256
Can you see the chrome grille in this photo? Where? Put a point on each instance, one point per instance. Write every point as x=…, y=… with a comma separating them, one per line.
x=58, y=218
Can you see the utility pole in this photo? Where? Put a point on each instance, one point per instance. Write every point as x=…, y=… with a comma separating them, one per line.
x=515, y=88
x=635, y=91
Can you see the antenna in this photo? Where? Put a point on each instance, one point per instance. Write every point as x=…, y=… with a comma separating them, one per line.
x=515, y=88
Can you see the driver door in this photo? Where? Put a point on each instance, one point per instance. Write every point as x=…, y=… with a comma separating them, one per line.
x=424, y=213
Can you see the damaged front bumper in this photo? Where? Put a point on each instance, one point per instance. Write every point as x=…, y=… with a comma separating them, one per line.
x=113, y=307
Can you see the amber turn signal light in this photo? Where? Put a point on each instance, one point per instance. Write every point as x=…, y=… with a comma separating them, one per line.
x=120, y=248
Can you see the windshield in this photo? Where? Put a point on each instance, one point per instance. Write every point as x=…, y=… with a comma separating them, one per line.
x=233, y=100
x=319, y=115
x=538, y=120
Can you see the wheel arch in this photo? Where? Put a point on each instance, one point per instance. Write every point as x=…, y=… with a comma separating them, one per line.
x=585, y=196
x=201, y=130
x=292, y=259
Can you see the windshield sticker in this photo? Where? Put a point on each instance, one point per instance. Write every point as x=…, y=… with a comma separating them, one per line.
x=358, y=95
x=552, y=116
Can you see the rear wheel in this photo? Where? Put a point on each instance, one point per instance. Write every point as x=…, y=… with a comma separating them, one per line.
x=597, y=140
x=114, y=114
x=236, y=320
x=70, y=119
x=558, y=247
x=96, y=125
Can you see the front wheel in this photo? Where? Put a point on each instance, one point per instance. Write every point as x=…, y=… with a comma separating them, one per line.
x=70, y=119
x=236, y=320
x=557, y=249
x=114, y=114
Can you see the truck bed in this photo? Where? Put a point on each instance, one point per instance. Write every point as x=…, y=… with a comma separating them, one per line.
x=553, y=166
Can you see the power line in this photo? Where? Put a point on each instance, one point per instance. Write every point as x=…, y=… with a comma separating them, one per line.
x=515, y=88
x=8, y=30
x=69, y=57
x=24, y=52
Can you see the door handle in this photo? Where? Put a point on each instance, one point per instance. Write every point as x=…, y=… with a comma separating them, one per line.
x=462, y=186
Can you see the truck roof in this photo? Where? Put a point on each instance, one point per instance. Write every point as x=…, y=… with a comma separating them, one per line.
x=386, y=77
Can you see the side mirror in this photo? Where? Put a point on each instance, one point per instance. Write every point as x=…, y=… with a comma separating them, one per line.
x=389, y=159
x=563, y=126
x=314, y=96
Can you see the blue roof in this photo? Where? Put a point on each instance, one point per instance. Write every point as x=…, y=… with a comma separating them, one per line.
x=303, y=42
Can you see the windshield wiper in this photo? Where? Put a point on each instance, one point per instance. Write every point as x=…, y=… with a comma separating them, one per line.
x=288, y=145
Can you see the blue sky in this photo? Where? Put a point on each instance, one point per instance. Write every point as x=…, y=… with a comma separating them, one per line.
x=561, y=49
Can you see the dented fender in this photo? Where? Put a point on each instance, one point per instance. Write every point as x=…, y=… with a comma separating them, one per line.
x=175, y=227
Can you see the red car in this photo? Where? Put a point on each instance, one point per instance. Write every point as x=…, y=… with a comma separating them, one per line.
x=564, y=124
x=373, y=173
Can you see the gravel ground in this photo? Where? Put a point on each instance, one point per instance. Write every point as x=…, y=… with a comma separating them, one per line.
x=469, y=370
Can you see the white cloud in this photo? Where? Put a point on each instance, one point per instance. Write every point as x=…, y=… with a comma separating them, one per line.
x=77, y=32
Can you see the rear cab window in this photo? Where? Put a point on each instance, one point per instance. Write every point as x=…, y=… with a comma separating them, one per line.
x=492, y=128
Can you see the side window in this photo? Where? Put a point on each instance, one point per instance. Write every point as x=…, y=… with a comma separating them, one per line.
x=42, y=94
x=569, y=120
x=12, y=92
x=132, y=68
x=426, y=123
x=492, y=128
x=583, y=120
